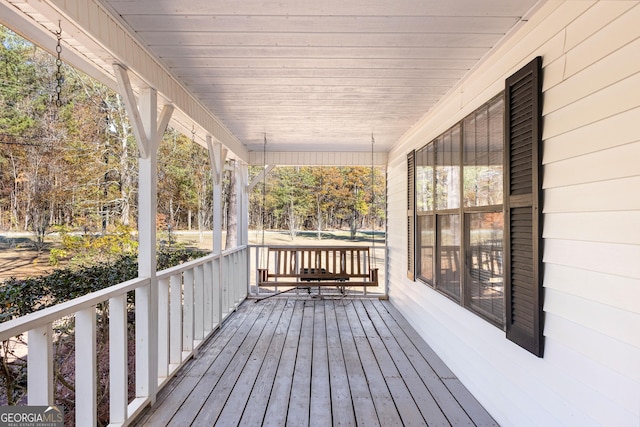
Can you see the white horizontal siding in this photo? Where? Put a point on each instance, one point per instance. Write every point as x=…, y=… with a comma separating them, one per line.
x=593, y=137
x=604, y=227
x=590, y=373
x=610, y=289
x=615, y=99
x=613, y=163
x=602, y=349
x=607, y=71
x=611, y=195
x=609, y=258
x=621, y=324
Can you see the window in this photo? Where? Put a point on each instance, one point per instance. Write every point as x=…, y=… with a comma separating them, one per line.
x=459, y=211
x=475, y=209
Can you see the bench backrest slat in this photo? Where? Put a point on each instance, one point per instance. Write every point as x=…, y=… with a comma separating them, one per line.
x=332, y=261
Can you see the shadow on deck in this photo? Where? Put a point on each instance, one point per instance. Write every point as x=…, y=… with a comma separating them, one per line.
x=320, y=362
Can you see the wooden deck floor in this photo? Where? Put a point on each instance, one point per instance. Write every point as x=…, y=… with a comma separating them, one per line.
x=318, y=362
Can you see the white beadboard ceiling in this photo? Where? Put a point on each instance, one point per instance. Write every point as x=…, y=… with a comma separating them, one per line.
x=319, y=75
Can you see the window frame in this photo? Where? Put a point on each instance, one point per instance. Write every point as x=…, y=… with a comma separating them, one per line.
x=463, y=294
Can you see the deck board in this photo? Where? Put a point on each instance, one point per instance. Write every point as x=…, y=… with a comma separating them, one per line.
x=341, y=405
x=277, y=407
x=259, y=398
x=301, y=361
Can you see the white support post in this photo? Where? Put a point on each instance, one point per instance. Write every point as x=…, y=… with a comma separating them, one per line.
x=147, y=296
x=243, y=209
x=40, y=366
x=148, y=131
x=86, y=371
x=217, y=156
x=217, y=162
x=118, y=377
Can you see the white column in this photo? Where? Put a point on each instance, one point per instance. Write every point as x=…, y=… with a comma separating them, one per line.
x=243, y=209
x=147, y=296
x=216, y=154
x=148, y=131
x=217, y=165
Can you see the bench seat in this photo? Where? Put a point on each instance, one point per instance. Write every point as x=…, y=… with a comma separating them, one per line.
x=320, y=265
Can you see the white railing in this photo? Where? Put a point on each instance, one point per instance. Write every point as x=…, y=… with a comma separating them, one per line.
x=193, y=300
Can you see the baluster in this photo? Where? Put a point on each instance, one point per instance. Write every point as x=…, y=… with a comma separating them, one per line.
x=118, y=384
x=163, y=328
x=217, y=291
x=208, y=297
x=86, y=380
x=187, y=332
x=199, y=303
x=175, y=319
x=40, y=366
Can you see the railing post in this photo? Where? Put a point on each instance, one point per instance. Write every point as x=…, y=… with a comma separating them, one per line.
x=40, y=366
x=118, y=383
x=86, y=380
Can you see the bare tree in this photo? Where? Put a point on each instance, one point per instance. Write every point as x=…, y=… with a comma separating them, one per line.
x=232, y=209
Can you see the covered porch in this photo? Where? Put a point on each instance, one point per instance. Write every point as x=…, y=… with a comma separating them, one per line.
x=321, y=81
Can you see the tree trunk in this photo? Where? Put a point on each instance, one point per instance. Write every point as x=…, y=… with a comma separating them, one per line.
x=232, y=210
x=171, y=213
x=319, y=220
x=201, y=225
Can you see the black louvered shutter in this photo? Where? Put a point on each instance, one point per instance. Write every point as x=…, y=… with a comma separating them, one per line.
x=523, y=259
x=411, y=215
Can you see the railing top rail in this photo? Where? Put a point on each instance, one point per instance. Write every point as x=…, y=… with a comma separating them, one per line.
x=42, y=317
x=177, y=269
x=316, y=247
x=236, y=249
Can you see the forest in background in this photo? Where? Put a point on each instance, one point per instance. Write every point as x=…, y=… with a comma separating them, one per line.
x=73, y=164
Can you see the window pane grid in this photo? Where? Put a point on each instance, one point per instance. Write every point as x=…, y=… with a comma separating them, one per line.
x=484, y=255
x=427, y=240
x=449, y=255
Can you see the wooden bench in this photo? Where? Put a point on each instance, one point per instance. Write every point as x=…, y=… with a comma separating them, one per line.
x=317, y=266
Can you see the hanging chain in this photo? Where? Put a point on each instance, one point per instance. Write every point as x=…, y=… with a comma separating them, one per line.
x=59, y=78
x=193, y=133
x=373, y=205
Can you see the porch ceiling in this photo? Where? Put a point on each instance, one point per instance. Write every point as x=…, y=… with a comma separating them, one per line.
x=319, y=75
x=311, y=75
